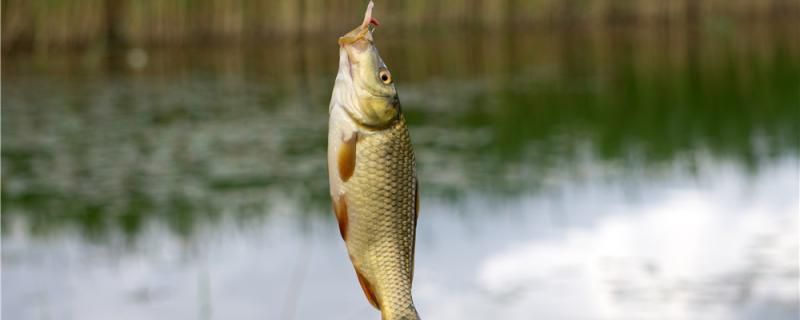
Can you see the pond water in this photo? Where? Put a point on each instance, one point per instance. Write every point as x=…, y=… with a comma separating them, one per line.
x=581, y=174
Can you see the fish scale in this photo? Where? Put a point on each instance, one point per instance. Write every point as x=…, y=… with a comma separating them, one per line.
x=381, y=200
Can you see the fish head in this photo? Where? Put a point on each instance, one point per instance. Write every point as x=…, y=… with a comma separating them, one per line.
x=365, y=87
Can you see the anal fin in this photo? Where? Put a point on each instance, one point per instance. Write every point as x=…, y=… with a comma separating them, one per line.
x=340, y=210
x=368, y=290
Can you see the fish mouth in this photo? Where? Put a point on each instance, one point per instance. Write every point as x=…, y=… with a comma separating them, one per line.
x=361, y=35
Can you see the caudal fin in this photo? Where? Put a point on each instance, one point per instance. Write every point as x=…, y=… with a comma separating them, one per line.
x=408, y=313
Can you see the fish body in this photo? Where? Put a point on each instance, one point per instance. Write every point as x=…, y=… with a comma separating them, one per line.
x=372, y=175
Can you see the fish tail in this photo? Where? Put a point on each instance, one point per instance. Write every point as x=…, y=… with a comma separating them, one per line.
x=408, y=313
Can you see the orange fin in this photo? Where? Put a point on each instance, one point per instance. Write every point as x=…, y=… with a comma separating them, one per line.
x=368, y=291
x=340, y=209
x=347, y=158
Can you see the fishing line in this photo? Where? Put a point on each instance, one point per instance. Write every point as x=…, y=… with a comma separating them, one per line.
x=297, y=279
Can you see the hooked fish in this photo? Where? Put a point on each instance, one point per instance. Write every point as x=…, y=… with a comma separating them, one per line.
x=372, y=172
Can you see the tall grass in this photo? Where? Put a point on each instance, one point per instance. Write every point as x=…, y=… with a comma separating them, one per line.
x=44, y=24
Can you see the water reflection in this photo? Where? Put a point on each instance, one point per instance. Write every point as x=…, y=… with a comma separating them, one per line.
x=719, y=246
x=610, y=174
x=724, y=248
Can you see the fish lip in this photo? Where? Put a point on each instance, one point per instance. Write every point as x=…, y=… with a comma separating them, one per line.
x=349, y=40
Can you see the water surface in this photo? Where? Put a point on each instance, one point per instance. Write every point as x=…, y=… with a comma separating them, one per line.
x=575, y=175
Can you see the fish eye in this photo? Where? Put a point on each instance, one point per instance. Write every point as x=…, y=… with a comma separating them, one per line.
x=385, y=76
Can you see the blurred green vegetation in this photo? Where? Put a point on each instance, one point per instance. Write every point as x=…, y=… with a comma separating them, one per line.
x=196, y=134
x=41, y=25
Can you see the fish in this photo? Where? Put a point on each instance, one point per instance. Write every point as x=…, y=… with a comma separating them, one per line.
x=372, y=174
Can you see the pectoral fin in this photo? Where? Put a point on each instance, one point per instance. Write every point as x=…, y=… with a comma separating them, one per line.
x=346, y=159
